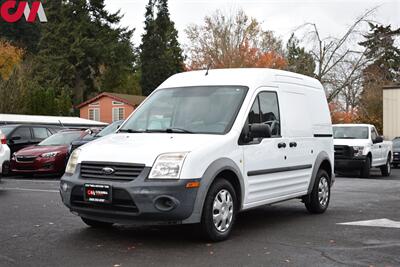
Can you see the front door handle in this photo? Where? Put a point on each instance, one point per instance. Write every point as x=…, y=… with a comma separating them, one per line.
x=293, y=144
x=281, y=145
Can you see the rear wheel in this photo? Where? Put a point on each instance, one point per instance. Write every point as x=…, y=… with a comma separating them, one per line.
x=96, y=224
x=366, y=168
x=318, y=200
x=387, y=168
x=219, y=211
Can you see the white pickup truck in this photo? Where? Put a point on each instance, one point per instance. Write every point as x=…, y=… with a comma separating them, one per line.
x=359, y=147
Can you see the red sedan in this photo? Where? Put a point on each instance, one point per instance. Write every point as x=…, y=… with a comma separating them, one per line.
x=47, y=157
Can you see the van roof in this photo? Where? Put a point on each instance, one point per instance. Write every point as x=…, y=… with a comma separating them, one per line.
x=250, y=77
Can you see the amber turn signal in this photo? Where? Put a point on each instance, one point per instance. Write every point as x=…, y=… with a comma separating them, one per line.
x=193, y=185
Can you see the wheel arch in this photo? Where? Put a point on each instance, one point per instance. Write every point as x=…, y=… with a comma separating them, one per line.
x=321, y=162
x=222, y=167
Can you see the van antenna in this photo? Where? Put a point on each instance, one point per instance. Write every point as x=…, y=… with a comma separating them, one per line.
x=62, y=125
x=208, y=68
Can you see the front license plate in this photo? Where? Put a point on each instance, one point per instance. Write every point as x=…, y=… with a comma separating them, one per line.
x=99, y=193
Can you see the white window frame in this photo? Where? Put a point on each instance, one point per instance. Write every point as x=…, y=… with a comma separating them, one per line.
x=114, y=118
x=94, y=114
x=117, y=103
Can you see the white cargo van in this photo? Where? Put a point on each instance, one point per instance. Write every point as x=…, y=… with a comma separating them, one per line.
x=204, y=146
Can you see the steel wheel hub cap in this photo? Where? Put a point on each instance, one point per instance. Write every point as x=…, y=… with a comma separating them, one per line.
x=223, y=210
x=323, y=191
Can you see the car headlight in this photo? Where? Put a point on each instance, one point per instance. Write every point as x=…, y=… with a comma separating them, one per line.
x=49, y=155
x=168, y=166
x=72, y=162
x=358, y=151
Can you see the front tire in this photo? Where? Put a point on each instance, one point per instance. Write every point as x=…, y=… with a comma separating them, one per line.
x=386, y=169
x=366, y=168
x=96, y=224
x=219, y=211
x=318, y=200
x=6, y=169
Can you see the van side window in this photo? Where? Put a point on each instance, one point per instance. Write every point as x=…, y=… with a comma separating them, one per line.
x=270, y=111
x=254, y=114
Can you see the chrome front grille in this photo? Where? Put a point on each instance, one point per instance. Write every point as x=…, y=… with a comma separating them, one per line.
x=110, y=170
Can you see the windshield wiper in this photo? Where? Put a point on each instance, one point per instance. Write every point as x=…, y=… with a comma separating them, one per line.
x=177, y=130
x=129, y=131
x=168, y=130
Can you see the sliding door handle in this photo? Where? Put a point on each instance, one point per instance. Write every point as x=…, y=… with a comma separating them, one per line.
x=281, y=145
x=293, y=144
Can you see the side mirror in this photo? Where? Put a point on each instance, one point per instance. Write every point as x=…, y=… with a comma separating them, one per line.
x=378, y=139
x=260, y=130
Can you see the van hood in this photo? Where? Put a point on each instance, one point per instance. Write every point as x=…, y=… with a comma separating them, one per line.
x=143, y=148
x=351, y=142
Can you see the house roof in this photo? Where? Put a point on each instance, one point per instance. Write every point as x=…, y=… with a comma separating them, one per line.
x=133, y=100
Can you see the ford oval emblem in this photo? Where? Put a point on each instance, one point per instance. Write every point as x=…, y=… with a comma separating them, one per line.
x=107, y=170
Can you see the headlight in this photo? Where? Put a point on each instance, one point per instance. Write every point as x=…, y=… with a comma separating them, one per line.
x=168, y=166
x=358, y=151
x=49, y=155
x=72, y=162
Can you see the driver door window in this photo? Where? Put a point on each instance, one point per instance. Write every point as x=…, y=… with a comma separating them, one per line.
x=269, y=111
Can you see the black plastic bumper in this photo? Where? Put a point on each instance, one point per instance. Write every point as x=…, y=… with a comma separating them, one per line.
x=396, y=158
x=349, y=164
x=142, y=200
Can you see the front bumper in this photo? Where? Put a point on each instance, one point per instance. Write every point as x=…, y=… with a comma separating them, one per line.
x=396, y=158
x=137, y=201
x=39, y=165
x=349, y=164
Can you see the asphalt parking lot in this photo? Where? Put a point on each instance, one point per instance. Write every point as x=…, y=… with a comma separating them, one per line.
x=37, y=230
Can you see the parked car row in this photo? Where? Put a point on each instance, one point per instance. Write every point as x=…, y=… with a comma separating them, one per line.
x=35, y=149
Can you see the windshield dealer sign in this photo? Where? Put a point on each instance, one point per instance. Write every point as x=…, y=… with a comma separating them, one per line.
x=13, y=11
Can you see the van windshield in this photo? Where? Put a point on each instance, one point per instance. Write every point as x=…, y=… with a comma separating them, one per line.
x=205, y=109
x=354, y=132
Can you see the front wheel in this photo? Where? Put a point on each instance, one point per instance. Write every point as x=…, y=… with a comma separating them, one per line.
x=96, y=224
x=386, y=169
x=219, y=211
x=318, y=200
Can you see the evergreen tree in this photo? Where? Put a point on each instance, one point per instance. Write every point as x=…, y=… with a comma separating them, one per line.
x=299, y=60
x=160, y=52
x=383, y=70
x=81, y=45
x=381, y=50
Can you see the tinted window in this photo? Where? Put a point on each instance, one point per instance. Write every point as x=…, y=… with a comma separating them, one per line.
x=23, y=132
x=270, y=111
x=40, y=133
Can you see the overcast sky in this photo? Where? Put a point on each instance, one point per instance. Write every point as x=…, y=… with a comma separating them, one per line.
x=281, y=16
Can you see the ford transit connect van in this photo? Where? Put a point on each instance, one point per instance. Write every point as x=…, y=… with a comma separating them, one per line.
x=205, y=146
